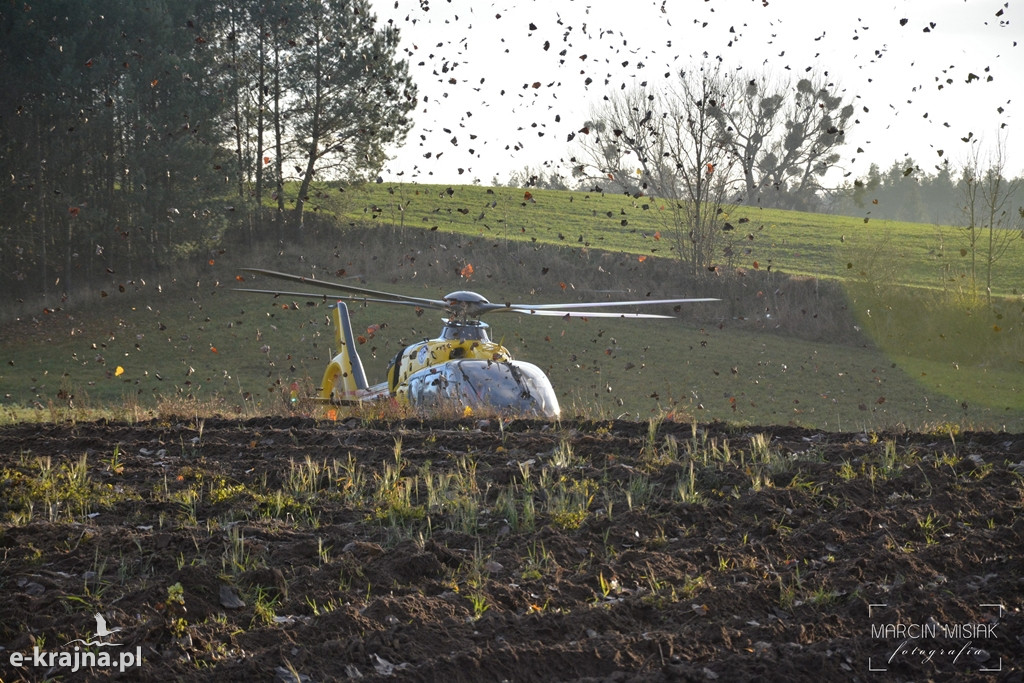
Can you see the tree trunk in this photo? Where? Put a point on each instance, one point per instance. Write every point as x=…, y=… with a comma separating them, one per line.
x=261, y=100
x=278, y=140
x=314, y=138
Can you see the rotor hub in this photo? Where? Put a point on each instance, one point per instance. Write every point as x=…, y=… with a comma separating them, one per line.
x=465, y=305
x=465, y=297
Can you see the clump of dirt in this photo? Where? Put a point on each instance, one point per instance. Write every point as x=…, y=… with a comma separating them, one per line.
x=296, y=549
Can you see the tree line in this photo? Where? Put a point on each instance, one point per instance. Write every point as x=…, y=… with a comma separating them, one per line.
x=716, y=139
x=134, y=133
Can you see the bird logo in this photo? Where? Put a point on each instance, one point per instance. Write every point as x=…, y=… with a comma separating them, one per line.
x=101, y=632
x=101, y=627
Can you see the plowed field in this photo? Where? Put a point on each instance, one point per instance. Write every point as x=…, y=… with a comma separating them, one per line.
x=294, y=549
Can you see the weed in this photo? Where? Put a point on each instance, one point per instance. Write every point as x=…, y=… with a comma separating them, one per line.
x=659, y=593
x=569, y=503
x=354, y=480
x=394, y=493
x=649, y=450
x=759, y=479
x=892, y=462
x=506, y=508
x=639, y=491
x=822, y=597
x=528, y=520
x=760, y=450
x=781, y=528
x=524, y=474
x=263, y=607
x=321, y=609
x=846, y=471
x=693, y=585
x=304, y=479
x=798, y=482
x=188, y=505
x=466, y=514
x=236, y=557
x=539, y=560
x=788, y=592
x=480, y=605
x=174, y=610
x=563, y=457
x=95, y=575
x=686, y=487
x=930, y=527
x=114, y=463
x=322, y=551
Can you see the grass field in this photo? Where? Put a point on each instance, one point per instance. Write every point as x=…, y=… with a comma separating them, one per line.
x=843, y=247
x=176, y=343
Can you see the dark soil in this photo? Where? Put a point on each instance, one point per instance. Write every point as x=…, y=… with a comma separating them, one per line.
x=698, y=554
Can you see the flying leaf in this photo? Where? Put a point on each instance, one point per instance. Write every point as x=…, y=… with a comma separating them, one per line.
x=118, y=371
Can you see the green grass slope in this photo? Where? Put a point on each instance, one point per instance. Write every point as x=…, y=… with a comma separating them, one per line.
x=820, y=245
x=183, y=339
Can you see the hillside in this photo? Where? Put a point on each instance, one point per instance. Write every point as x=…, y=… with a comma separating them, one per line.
x=798, y=243
x=775, y=350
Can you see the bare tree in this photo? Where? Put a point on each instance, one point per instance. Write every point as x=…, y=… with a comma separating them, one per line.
x=816, y=121
x=616, y=142
x=748, y=121
x=993, y=224
x=699, y=167
x=669, y=146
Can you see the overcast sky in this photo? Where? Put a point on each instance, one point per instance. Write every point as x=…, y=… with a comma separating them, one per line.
x=496, y=94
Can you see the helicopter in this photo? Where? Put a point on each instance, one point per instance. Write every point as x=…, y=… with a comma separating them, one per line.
x=462, y=369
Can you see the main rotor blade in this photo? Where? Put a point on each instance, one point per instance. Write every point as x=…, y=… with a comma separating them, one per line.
x=334, y=297
x=606, y=304
x=380, y=297
x=584, y=314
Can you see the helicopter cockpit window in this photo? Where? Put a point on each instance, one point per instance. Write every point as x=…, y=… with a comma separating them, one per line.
x=510, y=387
